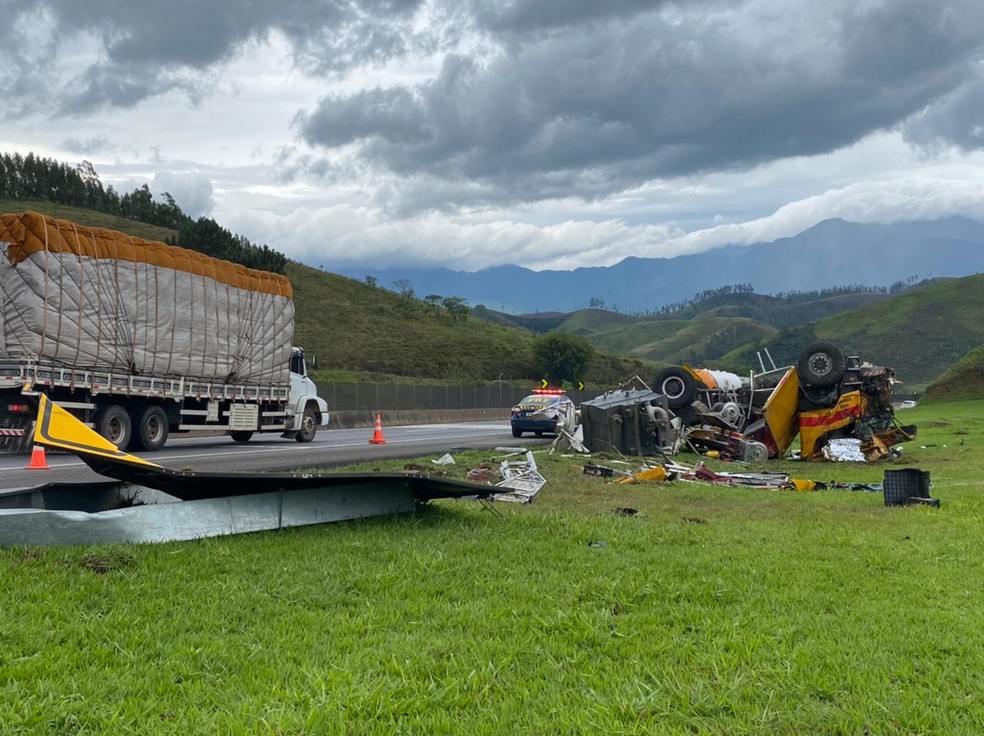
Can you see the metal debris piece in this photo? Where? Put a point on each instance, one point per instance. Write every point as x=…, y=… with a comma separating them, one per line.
x=521, y=478
x=444, y=459
x=598, y=470
x=754, y=480
x=844, y=450
x=568, y=441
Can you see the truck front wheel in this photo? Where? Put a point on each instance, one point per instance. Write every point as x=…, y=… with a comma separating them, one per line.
x=309, y=425
x=113, y=423
x=149, y=428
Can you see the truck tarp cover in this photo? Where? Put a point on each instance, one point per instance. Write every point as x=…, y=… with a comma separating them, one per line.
x=98, y=299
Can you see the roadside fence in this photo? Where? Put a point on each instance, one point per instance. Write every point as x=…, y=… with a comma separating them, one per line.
x=409, y=397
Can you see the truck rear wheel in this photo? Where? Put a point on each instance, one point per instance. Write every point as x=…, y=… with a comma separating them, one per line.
x=149, y=428
x=113, y=423
x=309, y=425
x=240, y=436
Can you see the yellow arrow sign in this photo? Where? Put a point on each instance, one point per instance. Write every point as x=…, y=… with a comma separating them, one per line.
x=543, y=383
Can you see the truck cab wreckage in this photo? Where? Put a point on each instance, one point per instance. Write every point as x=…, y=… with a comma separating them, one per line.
x=826, y=395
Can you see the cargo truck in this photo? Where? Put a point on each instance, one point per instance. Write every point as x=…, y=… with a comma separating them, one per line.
x=141, y=339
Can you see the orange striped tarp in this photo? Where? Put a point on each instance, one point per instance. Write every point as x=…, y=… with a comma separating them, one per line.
x=30, y=232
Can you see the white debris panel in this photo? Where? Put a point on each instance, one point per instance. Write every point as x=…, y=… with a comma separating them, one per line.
x=98, y=299
x=521, y=480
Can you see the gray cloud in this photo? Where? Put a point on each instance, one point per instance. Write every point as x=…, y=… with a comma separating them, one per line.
x=536, y=99
x=152, y=48
x=525, y=17
x=958, y=119
x=652, y=94
x=191, y=192
x=88, y=146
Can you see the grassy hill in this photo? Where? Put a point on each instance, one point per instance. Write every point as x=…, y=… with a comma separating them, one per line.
x=920, y=333
x=773, y=311
x=702, y=340
x=354, y=327
x=88, y=218
x=963, y=380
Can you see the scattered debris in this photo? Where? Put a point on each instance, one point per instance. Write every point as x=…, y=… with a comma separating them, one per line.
x=694, y=520
x=755, y=480
x=483, y=474
x=801, y=484
x=444, y=459
x=568, y=441
x=657, y=473
x=598, y=470
x=521, y=479
x=625, y=511
x=597, y=543
x=827, y=395
x=844, y=450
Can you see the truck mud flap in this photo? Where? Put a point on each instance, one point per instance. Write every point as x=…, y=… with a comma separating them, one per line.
x=15, y=436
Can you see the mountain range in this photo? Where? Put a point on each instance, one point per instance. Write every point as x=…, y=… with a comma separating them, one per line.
x=832, y=253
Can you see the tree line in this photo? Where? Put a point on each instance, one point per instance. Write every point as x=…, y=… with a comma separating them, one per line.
x=780, y=309
x=39, y=178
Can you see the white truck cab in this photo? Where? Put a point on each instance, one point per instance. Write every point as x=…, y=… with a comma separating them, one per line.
x=310, y=411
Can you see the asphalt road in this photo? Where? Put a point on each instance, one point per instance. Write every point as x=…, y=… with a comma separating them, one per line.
x=269, y=452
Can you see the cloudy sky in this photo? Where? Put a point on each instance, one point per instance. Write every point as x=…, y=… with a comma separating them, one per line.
x=543, y=133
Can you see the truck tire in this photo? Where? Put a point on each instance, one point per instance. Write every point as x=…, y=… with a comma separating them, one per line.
x=821, y=364
x=309, y=425
x=150, y=428
x=240, y=436
x=677, y=385
x=731, y=412
x=754, y=452
x=113, y=423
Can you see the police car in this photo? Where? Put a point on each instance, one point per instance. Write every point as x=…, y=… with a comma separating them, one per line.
x=545, y=410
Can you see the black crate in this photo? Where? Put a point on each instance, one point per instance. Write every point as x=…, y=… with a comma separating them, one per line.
x=906, y=486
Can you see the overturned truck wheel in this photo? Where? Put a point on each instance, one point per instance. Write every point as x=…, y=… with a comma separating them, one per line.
x=677, y=385
x=821, y=364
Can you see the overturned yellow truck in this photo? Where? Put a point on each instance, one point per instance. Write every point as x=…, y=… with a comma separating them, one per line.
x=826, y=395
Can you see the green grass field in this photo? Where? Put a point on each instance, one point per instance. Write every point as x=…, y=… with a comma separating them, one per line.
x=712, y=610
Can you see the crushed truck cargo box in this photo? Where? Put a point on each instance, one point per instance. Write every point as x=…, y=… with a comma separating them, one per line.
x=100, y=299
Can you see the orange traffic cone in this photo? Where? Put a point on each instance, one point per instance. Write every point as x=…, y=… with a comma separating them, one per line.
x=377, y=436
x=38, y=461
